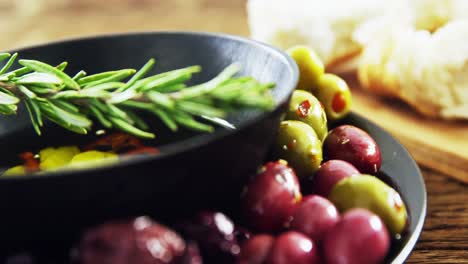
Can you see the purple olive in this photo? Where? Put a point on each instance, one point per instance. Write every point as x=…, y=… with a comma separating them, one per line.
x=355, y=146
x=216, y=235
x=256, y=250
x=269, y=199
x=329, y=174
x=314, y=217
x=360, y=237
x=293, y=248
x=139, y=240
x=192, y=254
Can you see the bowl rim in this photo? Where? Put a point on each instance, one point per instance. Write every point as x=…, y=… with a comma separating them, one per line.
x=184, y=145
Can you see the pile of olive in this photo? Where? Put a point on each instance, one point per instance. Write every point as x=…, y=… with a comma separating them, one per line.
x=348, y=215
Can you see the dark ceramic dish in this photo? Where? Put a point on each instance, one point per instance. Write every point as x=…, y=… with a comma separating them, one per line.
x=194, y=171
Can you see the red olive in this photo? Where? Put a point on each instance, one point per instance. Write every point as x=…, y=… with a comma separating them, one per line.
x=360, y=237
x=215, y=234
x=136, y=241
x=192, y=254
x=269, y=199
x=314, y=217
x=293, y=248
x=329, y=174
x=256, y=250
x=355, y=146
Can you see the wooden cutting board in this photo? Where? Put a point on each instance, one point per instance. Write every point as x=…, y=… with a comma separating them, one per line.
x=440, y=145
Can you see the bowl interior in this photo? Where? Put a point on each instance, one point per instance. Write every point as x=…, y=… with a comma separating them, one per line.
x=213, y=52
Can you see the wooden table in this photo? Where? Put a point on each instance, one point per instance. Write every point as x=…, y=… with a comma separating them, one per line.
x=445, y=235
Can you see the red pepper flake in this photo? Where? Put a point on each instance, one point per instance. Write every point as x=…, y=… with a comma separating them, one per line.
x=115, y=142
x=292, y=144
x=30, y=163
x=304, y=108
x=338, y=103
x=397, y=202
x=143, y=150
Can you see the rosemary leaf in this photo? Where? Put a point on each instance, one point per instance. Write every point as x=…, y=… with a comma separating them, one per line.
x=46, y=68
x=229, y=91
x=66, y=106
x=62, y=66
x=138, y=105
x=117, y=112
x=200, y=109
x=171, y=88
x=105, y=86
x=21, y=71
x=8, y=109
x=7, y=99
x=32, y=116
x=142, y=72
x=126, y=127
x=167, y=78
x=161, y=99
x=208, y=86
x=204, y=100
x=99, y=105
x=4, y=56
x=42, y=90
x=82, y=94
x=100, y=117
x=27, y=92
x=170, y=79
x=6, y=77
x=167, y=120
x=72, y=119
x=112, y=78
x=3, y=90
x=54, y=117
x=38, y=78
x=9, y=63
x=122, y=96
x=187, y=121
x=79, y=75
x=96, y=77
x=255, y=101
x=138, y=121
x=37, y=111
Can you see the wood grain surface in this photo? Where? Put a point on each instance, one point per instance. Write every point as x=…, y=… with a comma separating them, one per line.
x=445, y=235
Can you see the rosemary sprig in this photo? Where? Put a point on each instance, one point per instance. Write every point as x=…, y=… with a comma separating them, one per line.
x=75, y=103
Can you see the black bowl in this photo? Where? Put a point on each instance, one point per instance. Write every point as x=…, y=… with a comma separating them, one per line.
x=191, y=169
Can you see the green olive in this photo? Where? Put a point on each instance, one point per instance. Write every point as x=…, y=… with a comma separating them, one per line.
x=366, y=191
x=310, y=66
x=335, y=96
x=92, y=158
x=298, y=144
x=306, y=108
x=55, y=158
